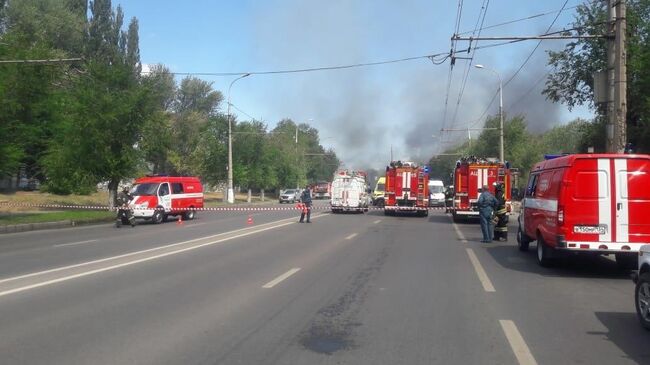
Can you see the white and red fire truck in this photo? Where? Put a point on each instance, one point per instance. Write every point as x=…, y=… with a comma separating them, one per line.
x=406, y=189
x=349, y=192
x=596, y=203
x=470, y=175
x=157, y=197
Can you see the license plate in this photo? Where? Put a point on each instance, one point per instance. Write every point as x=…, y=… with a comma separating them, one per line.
x=590, y=229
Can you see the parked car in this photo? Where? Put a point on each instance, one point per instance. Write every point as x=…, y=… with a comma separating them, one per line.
x=289, y=196
x=642, y=289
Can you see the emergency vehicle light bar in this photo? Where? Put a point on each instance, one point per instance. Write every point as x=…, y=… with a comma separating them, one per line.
x=552, y=156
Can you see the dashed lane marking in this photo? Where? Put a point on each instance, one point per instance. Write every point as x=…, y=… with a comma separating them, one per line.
x=74, y=243
x=517, y=343
x=482, y=276
x=280, y=278
x=351, y=236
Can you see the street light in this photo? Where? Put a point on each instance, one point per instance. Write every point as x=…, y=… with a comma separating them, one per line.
x=230, y=196
x=500, y=110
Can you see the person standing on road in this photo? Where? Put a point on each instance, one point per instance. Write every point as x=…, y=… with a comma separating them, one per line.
x=501, y=227
x=305, y=198
x=487, y=203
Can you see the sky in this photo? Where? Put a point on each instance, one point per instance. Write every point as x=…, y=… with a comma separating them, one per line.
x=361, y=112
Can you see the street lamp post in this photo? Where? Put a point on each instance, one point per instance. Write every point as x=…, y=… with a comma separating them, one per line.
x=230, y=196
x=501, y=157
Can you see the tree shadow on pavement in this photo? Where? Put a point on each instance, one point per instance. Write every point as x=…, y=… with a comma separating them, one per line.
x=578, y=266
x=624, y=331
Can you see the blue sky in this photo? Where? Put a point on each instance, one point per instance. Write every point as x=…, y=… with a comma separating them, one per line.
x=360, y=112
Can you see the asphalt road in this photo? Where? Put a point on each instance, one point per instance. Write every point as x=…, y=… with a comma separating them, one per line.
x=346, y=289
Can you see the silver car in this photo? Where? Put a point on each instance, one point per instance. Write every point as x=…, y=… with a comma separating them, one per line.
x=289, y=196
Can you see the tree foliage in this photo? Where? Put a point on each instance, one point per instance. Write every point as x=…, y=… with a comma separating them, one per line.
x=572, y=79
x=101, y=120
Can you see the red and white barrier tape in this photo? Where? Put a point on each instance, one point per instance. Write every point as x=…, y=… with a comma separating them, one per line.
x=215, y=209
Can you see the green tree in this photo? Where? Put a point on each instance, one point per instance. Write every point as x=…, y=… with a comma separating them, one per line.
x=571, y=81
x=29, y=94
x=106, y=109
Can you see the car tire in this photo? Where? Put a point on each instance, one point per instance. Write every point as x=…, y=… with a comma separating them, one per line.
x=190, y=214
x=523, y=241
x=543, y=252
x=626, y=262
x=158, y=216
x=642, y=299
x=454, y=217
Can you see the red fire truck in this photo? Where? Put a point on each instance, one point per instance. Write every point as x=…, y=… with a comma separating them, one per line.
x=470, y=175
x=407, y=189
x=322, y=190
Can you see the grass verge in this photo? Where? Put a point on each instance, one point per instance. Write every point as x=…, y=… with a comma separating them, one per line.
x=40, y=217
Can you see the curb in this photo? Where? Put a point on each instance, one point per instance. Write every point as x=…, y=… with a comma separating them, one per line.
x=25, y=227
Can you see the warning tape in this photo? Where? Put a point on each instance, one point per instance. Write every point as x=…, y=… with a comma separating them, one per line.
x=297, y=207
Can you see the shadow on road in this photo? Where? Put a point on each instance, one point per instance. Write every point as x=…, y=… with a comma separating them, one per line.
x=578, y=266
x=624, y=330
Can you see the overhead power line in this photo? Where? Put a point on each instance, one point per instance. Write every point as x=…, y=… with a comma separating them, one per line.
x=41, y=62
x=437, y=58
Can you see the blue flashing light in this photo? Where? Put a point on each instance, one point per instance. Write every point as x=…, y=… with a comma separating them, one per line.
x=552, y=156
x=427, y=169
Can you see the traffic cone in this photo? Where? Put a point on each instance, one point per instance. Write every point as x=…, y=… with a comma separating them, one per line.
x=249, y=221
x=179, y=222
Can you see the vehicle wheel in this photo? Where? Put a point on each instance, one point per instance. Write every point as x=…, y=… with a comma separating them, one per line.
x=425, y=213
x=190, y=214
x=165, y=218
x=642, y=299
x=386, y=212
x=454, y=217
x=543, y=252
x=118, y=223
x=626, y=262
x=523, y=241
x=158, y=216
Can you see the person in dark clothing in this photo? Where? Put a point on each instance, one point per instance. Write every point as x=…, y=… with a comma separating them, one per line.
x=449, y=199
x=124, y=213
x=487, y=203
x=501, y=226
x=305, y=198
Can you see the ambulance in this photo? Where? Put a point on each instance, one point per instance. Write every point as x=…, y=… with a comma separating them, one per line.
x=349, y=192
x=587, y=203
x=157, y=197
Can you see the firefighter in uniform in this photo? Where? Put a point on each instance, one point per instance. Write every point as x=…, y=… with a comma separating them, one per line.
x=501, y=225
x=305, y=199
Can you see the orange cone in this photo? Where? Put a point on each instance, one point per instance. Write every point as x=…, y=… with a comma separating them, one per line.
x=179, y=222
x=249, y=220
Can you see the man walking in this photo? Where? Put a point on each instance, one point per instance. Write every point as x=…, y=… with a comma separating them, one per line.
x=305, y=198
x=487, y=203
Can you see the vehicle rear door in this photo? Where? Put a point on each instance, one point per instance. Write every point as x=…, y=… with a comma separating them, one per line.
x=632, y=200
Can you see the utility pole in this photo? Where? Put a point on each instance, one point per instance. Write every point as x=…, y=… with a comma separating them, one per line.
x=620, y=69
x=616, y=135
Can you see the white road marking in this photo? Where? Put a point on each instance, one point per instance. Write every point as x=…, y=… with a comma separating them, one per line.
x=460, y=234
x=149, y=258
x=280, y=278
x=482, y=276
x=74, y=243
x=517, y=343
x=377, y=221
x=351, y=236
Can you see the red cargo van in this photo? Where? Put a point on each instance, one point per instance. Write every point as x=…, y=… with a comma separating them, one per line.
x=598, y=203
x=158, y=197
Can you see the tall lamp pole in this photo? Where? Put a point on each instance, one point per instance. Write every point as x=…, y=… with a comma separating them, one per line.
x=501, y=157
x=230, y=197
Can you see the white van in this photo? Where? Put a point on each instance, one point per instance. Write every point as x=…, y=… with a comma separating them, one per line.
x=436, y=193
